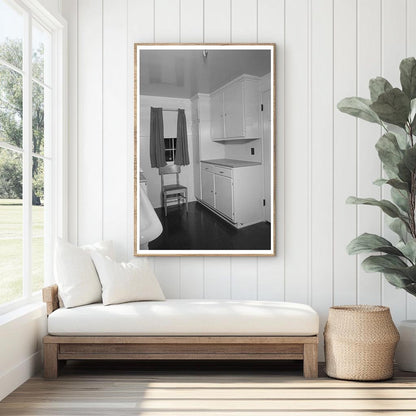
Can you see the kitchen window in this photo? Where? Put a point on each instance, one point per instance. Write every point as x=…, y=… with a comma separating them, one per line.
x=170, y=149
x=31, y=139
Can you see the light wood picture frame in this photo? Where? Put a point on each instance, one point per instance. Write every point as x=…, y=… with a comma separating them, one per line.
x=226, y=202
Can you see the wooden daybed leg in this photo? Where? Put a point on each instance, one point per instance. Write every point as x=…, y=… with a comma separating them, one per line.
x=50, y=360
x=310, y=360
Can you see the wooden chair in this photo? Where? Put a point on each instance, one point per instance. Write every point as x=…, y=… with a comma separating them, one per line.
x=175, y=191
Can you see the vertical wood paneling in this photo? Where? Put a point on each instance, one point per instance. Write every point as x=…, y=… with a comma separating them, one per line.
x=70, y=11
x=192, y=21
x=244, y=278
x=192, y=278
x=321, y=148
x=411, y=51
x=393, y=51
x=217, y=16
x=90, y=92
x=345, y=152
x=271, y=28
x=296, y=152
x=167, y=16
x=368, y=163
x=114, y=124
x=168, y=272
x=244, y=21
x=217, y=278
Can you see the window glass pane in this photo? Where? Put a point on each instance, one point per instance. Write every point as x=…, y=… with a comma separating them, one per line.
x=38, y=229
x=11, y=107
x=41, y=46
x=11, y=226
x=11, y=34
x=40, y=118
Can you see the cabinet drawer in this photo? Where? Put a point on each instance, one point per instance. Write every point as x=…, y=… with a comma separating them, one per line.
x=222, y=170
x=217, y=169
x=207, y=167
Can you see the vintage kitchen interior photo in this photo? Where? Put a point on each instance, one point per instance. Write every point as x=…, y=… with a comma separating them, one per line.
x=205, y=165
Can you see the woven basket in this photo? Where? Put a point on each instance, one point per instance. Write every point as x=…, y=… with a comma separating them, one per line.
x=360, y=342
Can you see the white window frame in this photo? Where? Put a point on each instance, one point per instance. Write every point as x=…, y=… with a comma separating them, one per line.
x=58, y=227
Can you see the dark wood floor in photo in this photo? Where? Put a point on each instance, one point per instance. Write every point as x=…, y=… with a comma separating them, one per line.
x=201, y=229
x=206, y=388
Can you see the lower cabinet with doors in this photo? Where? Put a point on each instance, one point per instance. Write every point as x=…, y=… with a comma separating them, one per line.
x=233, y=192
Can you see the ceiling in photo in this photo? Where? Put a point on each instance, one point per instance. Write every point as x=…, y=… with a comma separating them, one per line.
x=184, y=73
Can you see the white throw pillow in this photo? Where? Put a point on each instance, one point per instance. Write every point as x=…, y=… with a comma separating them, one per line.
x=126, y=282
x=75, y=273
x=104, y=247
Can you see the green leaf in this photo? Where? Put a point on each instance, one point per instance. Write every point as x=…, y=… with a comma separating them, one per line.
x=401, y=137
x=408, y=249
x=395, y=183
x=404, y=173
x=389, y=151
x=378, y=86
x=397, y=280
x=388, y=207
x=366, y=243
x=395, y=270
x=408, y=77
x=359, y=107
x=410, y=272
x=400, y=228
x=380, y=182
x=400, y=198
x=412, y=109
x=381, y=263
x=411, y=289
x=398, y=184
x=409, y=158
x=392, y=107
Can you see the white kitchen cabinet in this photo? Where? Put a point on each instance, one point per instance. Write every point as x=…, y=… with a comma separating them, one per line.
x=207, y=186
x=235, y=110
x=217, y=115
x=234, y=193
x=224, y=195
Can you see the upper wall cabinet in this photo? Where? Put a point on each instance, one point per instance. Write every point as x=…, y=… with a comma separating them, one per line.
x=235, y=110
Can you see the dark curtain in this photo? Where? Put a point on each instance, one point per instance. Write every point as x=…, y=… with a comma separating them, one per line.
x=182, y=154
x=157, y=144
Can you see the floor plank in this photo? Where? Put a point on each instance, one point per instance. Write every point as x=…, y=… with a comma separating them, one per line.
x=227, y=389
x=201, y=229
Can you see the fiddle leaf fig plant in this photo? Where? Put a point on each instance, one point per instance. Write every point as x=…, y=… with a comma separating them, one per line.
x=394, y=109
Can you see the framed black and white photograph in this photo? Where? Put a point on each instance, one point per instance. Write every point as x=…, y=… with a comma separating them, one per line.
x=204, y=150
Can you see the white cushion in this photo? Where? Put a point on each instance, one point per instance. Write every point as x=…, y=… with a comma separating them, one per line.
x=75, y=273
x=187, y=317
x=103, y=247
x=126, y=282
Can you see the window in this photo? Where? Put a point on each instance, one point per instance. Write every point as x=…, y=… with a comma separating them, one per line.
x=28, y=152
x=170, y=149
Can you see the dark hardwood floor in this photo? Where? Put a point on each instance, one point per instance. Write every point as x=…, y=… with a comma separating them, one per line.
x=201, y=229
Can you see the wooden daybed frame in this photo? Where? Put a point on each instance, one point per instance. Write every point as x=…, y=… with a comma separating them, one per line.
x=58, y=349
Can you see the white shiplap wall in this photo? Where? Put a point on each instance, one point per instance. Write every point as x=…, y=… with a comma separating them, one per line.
x=326, y=50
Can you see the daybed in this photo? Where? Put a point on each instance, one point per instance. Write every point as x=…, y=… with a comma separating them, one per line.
x=181, y=329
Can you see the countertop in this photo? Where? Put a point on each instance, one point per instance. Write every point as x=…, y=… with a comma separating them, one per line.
x=231, y=163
